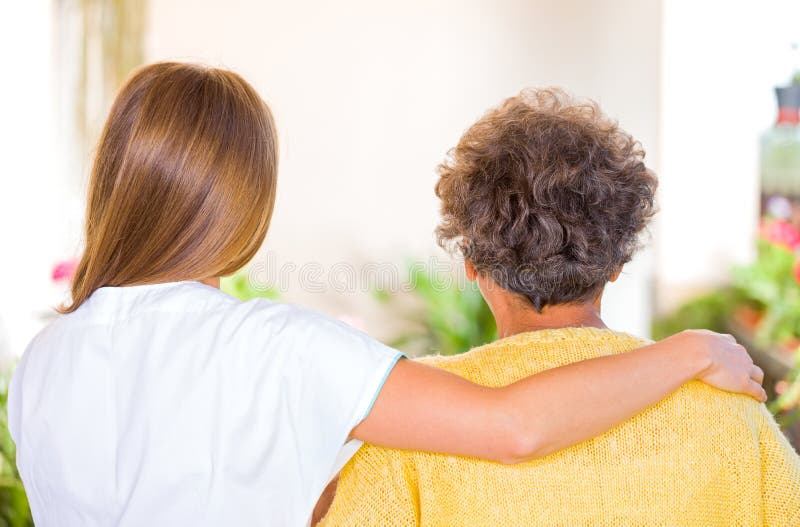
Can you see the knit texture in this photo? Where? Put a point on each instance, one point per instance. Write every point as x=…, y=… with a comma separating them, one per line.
x=700, y=457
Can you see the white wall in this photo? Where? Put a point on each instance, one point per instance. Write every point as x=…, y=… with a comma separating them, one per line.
x=33, y=198
x=369, y=96
x=720, y=61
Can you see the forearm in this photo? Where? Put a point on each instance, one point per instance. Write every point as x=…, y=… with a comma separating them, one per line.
x=422, y=408
x=564, y=406
x=530, y=418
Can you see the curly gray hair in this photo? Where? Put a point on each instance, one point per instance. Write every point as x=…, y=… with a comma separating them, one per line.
x=547, y=195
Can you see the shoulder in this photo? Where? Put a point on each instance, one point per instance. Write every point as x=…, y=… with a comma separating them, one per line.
x=709, y=411
x=304, y=326
x=463, y=363
x=376, y=488
x=255, y=319
x=373, y=459
x=699, y=397
x=285, y=318
x=379, y=467
x=509, y=359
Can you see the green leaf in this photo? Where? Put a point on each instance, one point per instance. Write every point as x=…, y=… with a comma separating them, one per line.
x=444, y=320
x=242, y=287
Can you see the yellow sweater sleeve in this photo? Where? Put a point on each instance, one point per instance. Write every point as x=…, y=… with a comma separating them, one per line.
x=378, y=487
x=780, y=474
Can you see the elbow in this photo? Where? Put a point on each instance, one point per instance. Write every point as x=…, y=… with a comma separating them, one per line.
x=520, y=444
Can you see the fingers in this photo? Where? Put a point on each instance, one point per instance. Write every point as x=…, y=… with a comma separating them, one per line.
x=757, y=374
x=743, y=355
x=756, y=391
x=754, y=388
x=727, y=337
x=700, y=332
x=738, y=348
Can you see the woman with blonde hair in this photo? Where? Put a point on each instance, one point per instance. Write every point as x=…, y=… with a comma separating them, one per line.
x=156, y=399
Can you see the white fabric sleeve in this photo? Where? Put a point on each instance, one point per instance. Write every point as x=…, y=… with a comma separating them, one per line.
x=336, y=375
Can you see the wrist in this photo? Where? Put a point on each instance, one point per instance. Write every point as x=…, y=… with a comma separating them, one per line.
x=694, y=356
x=698, y=355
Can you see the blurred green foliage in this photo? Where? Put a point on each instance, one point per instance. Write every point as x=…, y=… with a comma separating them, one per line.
x=711, y=311
x=768, y=290
x=443, y=319
x=242, y=287
x=768, y=286
x=771, y=286
x=14, y=509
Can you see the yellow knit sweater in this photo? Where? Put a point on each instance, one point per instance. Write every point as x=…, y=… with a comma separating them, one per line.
x=701, y=457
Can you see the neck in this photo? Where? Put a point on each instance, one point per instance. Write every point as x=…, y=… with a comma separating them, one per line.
x=213, y=281
x=513, y=319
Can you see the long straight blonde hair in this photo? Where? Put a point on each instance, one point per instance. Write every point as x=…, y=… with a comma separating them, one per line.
x=183, y=182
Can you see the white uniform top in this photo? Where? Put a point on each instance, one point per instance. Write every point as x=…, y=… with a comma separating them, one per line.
x=176, y=404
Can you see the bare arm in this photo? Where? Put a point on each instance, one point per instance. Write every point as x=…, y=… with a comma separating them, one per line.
x=423, y=408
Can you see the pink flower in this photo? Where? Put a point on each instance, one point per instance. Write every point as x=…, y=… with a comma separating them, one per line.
x=64, y=271
x=796, y=271
x=781, y=232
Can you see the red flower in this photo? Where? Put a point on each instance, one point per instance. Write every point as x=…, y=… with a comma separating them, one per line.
x=64, y=271
x=781, y=232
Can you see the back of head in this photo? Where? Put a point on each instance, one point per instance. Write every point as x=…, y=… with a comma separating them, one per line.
x=183, y=182
x=547, y=195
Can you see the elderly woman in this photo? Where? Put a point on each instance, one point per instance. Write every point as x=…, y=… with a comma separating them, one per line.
x=546, y=198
